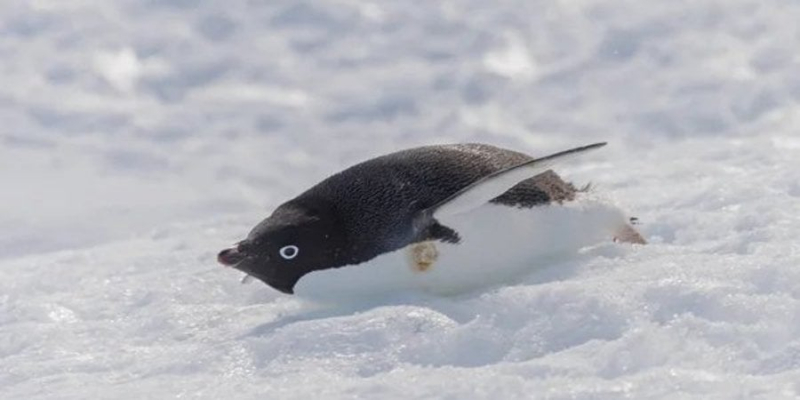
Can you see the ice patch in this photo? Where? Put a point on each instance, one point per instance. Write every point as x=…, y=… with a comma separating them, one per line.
x=512, y=61
x=123, y=68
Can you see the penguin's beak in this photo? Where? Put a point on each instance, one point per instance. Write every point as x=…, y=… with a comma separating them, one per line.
x=234, y=257
x=230, y=257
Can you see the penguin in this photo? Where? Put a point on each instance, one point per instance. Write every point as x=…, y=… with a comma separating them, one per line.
x=441, y=219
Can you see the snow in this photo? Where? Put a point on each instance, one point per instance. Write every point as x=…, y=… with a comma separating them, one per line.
x=141, y=137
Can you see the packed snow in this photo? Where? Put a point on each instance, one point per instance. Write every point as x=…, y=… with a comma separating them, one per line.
x=141, y=137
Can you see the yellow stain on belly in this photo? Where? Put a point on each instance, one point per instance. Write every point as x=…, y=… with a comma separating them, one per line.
x=422, y=256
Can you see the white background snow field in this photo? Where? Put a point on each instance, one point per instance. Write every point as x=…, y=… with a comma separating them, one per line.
x=140, y=137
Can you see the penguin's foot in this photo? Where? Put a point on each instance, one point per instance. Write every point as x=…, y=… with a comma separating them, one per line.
x=422, y=256
x=627, y=234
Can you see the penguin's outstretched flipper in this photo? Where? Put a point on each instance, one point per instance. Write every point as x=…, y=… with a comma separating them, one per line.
x=493, y=185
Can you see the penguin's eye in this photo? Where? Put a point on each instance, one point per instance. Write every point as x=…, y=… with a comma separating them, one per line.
x=289, y=252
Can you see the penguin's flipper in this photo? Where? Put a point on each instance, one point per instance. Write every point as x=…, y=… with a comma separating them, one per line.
x=497, y=183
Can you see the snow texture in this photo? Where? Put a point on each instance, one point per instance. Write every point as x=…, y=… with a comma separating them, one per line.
x=140, y=137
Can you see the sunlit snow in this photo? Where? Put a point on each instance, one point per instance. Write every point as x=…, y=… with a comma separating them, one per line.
x=139, y=138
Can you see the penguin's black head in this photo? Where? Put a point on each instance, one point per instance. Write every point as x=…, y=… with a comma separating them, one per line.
x=290, y=243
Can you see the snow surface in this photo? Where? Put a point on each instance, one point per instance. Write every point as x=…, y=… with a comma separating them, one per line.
x=140, y=137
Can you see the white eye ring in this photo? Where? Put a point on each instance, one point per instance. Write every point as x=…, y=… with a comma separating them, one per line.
x=289, y=252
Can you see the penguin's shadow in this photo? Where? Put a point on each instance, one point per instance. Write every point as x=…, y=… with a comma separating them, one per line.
x=313, y=311
x=307, y=315
x=565, y=268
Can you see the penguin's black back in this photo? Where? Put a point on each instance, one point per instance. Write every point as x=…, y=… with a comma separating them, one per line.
x=375, y=201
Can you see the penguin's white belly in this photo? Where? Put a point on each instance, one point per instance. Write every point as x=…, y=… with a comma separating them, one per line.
x=498, y=243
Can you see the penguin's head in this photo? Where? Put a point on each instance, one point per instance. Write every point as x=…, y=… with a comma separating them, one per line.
x=292, y=242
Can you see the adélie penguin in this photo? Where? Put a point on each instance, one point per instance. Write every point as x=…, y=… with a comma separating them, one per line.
x=439, y=219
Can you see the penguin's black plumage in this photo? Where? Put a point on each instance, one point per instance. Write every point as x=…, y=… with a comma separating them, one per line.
x=377, y=200
x=375, y=207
